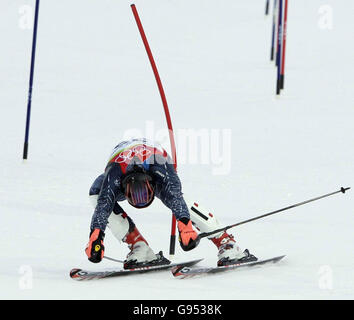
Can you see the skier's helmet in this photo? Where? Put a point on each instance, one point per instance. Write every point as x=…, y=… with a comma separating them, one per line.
x=138, y=189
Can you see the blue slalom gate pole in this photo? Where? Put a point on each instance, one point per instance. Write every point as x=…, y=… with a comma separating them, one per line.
x=267, y=8
x=29, y=102
x=279, y=51
x=273, y=31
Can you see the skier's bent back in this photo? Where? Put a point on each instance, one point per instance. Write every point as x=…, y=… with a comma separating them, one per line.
x=138, y=171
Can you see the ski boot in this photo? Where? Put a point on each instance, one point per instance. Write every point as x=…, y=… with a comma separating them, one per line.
x=229, y=252
x=141, y=255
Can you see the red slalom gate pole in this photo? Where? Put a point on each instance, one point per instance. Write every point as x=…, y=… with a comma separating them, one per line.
x=167, y=114
x=282, y=73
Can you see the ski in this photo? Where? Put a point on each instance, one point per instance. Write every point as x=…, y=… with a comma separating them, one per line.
x=80, y=274
x=184, y=271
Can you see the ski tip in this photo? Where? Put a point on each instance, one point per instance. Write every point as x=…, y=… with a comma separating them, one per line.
x=197, y=261
x=179, y=271
x=74, y=273
x=276, y=259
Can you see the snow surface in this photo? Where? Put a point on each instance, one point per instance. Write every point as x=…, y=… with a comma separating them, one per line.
x=93, y=83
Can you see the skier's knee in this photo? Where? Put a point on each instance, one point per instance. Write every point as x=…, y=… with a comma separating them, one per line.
x=120, y=225
x=202, y=218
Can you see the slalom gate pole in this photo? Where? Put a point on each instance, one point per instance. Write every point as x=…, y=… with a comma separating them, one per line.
x=273, y=31
x=277, y=31
x=279, y=51
x=167, y=114
x=282, y=72
x=207, y=234
x=29, y=99
x=267, y=8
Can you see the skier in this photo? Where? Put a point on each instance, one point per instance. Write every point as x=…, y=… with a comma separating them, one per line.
x=137, y=171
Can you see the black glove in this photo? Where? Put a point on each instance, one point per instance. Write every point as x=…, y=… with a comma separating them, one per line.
x=95, y=248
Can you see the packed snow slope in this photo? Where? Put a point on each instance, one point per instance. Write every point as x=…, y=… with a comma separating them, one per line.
x=93, y=86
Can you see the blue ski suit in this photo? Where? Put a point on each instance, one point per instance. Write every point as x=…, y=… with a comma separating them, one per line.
x=155, y=161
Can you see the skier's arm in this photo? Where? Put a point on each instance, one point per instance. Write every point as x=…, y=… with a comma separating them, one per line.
x=171, y=195
x=95, y=191
x=170, y=192
x=108, y=194
x=106, y=201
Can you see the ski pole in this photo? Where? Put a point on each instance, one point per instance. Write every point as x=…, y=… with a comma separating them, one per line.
x=115, y=260
x=206, y=234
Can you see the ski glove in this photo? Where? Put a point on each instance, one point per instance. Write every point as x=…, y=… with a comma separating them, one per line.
x=95, y=248
x=188, y=237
